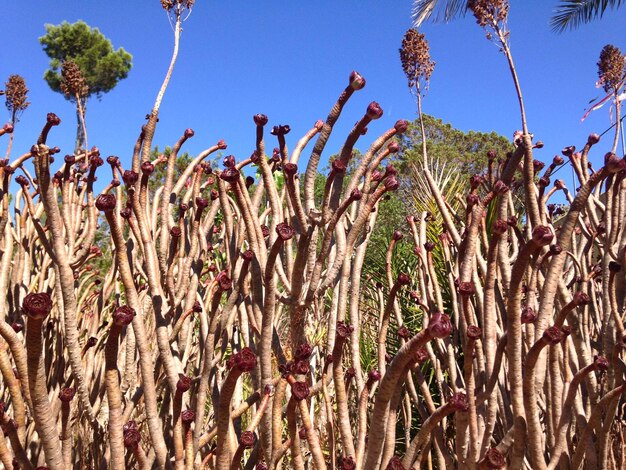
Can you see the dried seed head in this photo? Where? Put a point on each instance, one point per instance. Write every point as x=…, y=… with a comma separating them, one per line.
x=303, y=351
x=391, y=183
x=260, y=119
x=344, y=329
x=290, y=169
x=300, y=390
x=500, y=188
x=500, y=227
x=474, y=332
x=202, y=203
x=528, y=314
x=132, y=424
x=15, y=92
x=555, y=250
x=601, y=362
x=229, y=161
x=476, y=181
x=395, y=464
x=53, y=119
x=393, y=147
x=106, y=202
x=230, y=174
x=248, y=255
x=73, y=82
x=488, y=12
x=613, y=163
x=401, y=126
x=247, y=439
x=580, y=298
x=170, y=4
x=188, y=416
x=542, y=235
x=347, y=463
x=356, y=80
x=183, y=384
x=301, y=368
x=22, y=181
x=553, y=335
x=338, y=166
x=611, y=67
x=439, y=325
x=285, y=231
x=223, y=281
x=459, y=401
x=403, y=279
x=280, y=130
x=374, y=111
x=37, y=305
x=132, y=438
x=403, y=332
x=593, y=139
x=244, y=360
x=493, y=459
x=123, y=315
x=373, y=375
x=421, y=355
x=415, y=58
x=147, y=168
x=130, y=177
x=467, y=289
x=66, y=394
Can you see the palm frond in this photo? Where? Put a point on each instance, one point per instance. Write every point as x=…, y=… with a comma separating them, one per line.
x=570, y=14
x=438, y=10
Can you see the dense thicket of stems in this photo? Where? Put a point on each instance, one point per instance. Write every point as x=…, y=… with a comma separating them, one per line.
x=238, y=325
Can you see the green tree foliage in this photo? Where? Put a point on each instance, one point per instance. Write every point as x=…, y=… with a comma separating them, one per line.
x=465, y=151
x=101, y=65
x=83, y=63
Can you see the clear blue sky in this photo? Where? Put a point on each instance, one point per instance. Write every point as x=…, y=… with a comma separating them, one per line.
x=291, y=59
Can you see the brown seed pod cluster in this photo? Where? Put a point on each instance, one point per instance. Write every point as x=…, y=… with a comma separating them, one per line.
x=415, y=58
x=611, y=68
x=15, y=93
x=169, y=4
x=489, y=12
x=73, y=82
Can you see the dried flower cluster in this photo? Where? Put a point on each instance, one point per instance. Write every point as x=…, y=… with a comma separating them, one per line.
x=15, y=93
x=415, y=58
x=169, y=4
x=489, y=12
x=73, y=82
x=611, y=68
